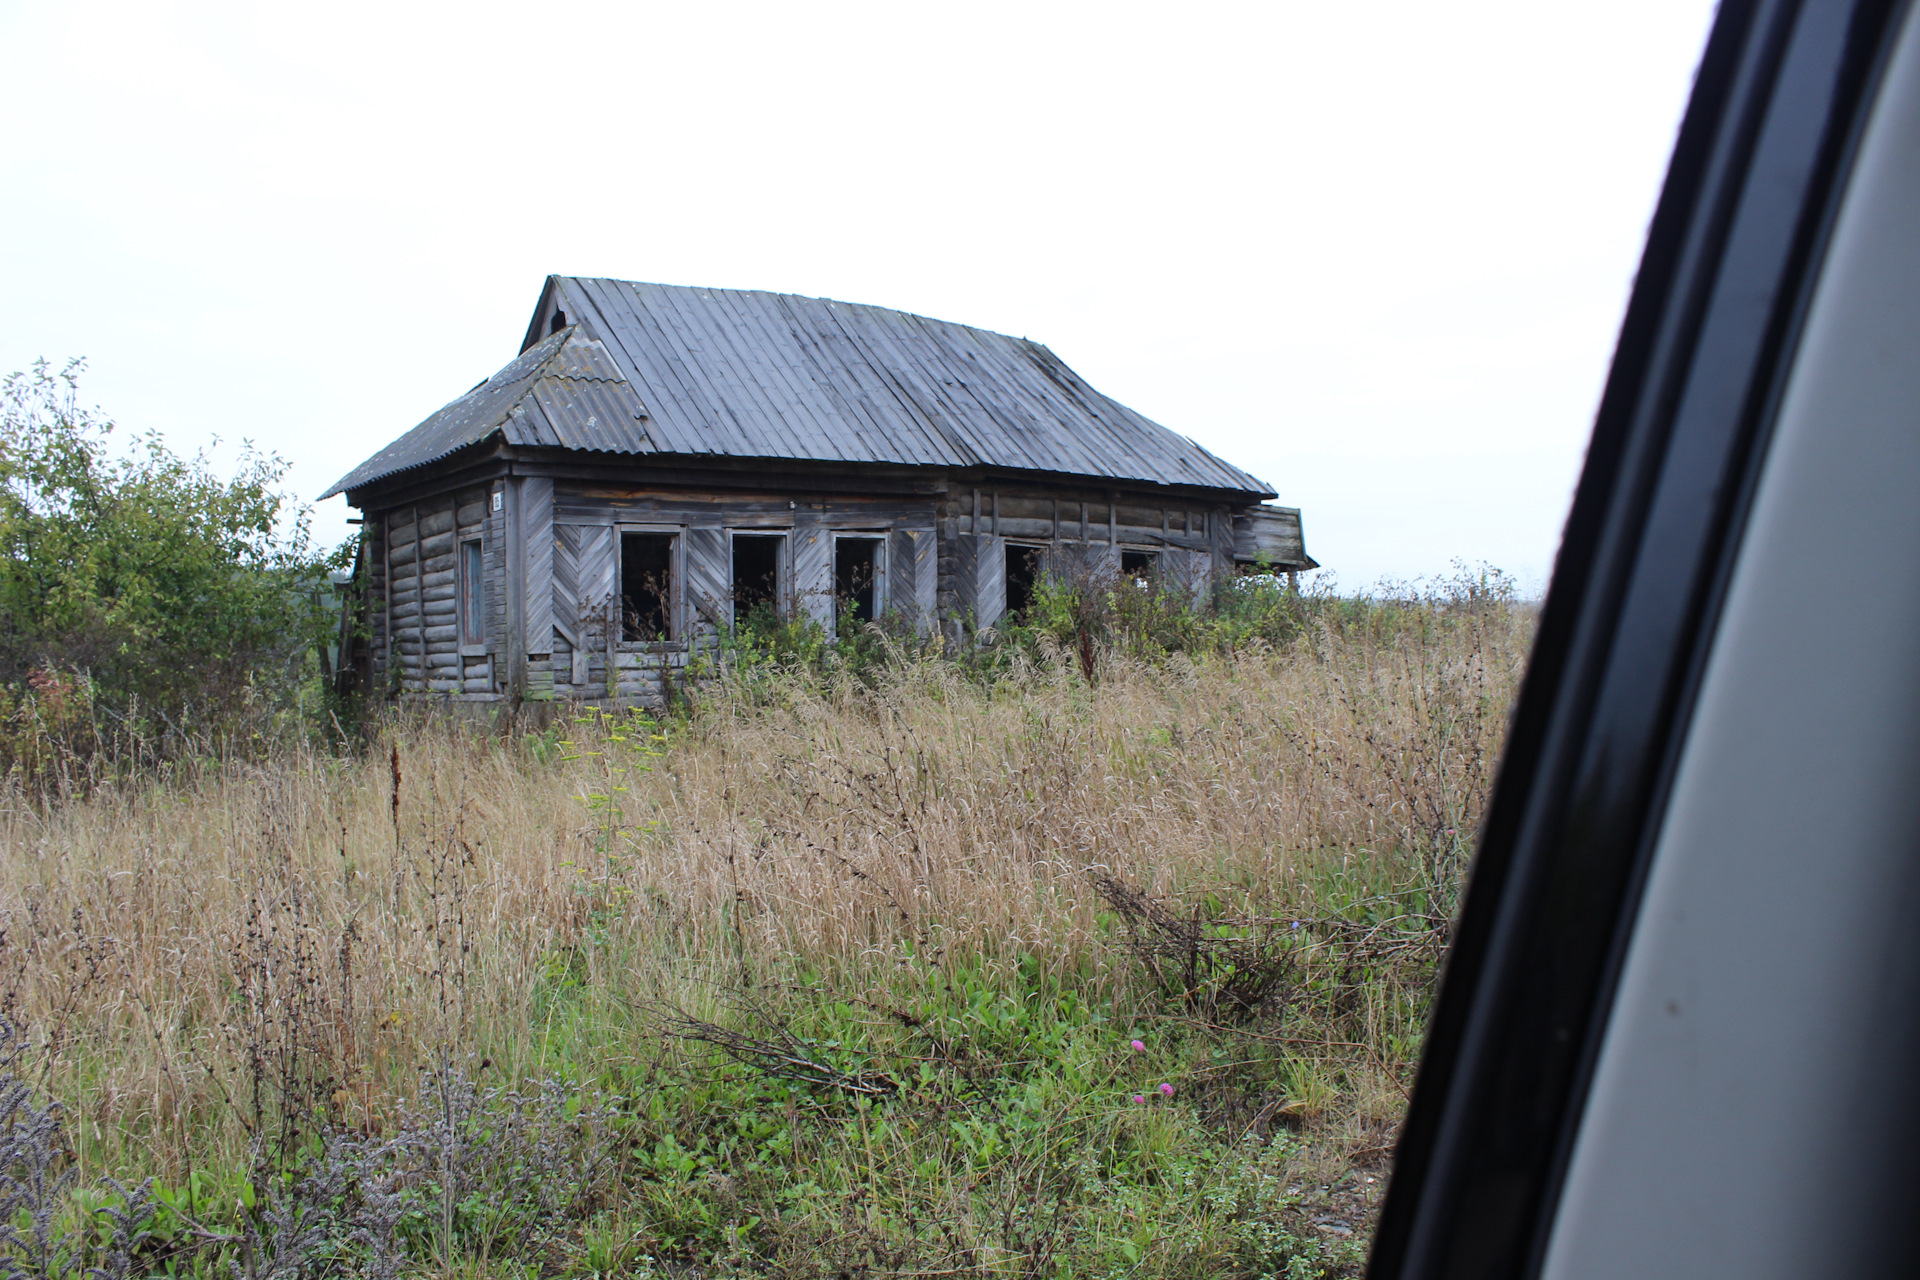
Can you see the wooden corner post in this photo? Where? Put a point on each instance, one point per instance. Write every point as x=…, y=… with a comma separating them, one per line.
x=516, y=584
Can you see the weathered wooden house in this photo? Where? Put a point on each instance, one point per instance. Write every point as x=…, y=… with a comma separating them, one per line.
x=659, y=458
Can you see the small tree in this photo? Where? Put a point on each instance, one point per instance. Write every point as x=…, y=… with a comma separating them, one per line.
x=178, y=604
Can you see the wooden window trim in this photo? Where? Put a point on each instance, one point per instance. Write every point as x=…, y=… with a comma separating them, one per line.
x=471, y=644
x=676, y=603
x=883, y=569
x=783, y=571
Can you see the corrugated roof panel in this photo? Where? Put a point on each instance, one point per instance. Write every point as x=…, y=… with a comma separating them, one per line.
x=769, y=339
x=748, y=374
x=595, y=414
x=501, y=404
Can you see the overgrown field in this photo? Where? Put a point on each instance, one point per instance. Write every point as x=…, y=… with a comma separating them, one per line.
x=1078, y=965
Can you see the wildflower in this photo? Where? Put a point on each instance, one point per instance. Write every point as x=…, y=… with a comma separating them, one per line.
x=1140, y=1098
x=1139, y=1046
x=1166, y=1090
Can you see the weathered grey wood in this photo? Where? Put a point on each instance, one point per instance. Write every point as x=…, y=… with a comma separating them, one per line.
x=420, y=586
x=812, y=559
x=915, y=562
x=610, y=632
x=798, y=376
x=536, y=517
x=585, y=565
x=1199, y=575
x=708, y=568
x=982, y=567
x=1270, y=534
x=513, y=507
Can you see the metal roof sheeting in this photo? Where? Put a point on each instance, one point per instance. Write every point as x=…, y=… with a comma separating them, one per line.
x=564, y=391
x=745, y=374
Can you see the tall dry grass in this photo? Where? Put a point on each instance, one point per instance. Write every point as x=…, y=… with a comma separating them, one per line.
x=253, y=946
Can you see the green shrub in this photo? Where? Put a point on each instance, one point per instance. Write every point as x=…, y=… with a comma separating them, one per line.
x=144, y=600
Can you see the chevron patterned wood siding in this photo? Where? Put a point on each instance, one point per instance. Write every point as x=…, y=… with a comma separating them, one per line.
x=813, y=573
x=709, y=578
x=913, y=576
x=981, y=567
x=585, y=565
x=536, y=497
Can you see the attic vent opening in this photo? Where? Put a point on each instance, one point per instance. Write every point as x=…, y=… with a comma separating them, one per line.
x=558, y=322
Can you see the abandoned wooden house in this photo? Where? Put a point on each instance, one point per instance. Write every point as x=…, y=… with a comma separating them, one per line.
x=660, y=459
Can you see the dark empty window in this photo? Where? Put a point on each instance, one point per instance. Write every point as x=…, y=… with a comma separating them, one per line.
x=856, y=569
x=1023, y=574
x=646, y=586
x=756, y=573
x=473, y=613
x=1137, y=565
x=559, y=322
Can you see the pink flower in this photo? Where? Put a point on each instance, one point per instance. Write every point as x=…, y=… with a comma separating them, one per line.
x=1139, y=1046
x=1140, y=1098
x=1166, y=1091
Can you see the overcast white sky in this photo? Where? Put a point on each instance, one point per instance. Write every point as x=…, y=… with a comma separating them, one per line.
x=1375, y=254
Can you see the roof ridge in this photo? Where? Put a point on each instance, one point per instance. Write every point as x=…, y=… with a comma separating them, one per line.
x=804, y=297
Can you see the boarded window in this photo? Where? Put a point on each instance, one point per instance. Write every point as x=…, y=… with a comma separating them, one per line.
x=646, y=586
x=1138, y=565
x=756, y=573
x=473, y=610
x=1023, y=575
x=856, y=578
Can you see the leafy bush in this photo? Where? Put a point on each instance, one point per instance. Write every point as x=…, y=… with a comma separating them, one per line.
x=145, y=602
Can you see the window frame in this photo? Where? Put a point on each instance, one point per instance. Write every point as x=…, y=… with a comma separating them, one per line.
x=879, y=537
x=782, y=570
x=1153, y=564
x=1007, y=547
x=676, y=587
x=470, y=598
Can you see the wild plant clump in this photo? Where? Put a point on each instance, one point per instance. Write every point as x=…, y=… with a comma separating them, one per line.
x=1001, y=969
x=148, y=607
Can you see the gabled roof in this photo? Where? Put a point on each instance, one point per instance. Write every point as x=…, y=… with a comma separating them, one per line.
x=744, y=374
x=564, y=391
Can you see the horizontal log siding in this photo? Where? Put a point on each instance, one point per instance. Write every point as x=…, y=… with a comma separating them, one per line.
x=375, y=530
x=417, y=634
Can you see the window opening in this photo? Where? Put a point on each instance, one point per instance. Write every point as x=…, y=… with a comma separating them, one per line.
x=559, y=323
x=646, y=586
x=856, y=567
x=1023, y=575
x=1138, y=565
x=756, y=575
x=473, y=614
